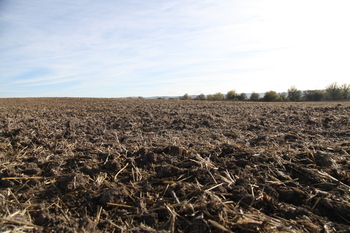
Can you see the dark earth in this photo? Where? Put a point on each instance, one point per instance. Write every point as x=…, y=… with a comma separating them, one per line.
x=137, y=165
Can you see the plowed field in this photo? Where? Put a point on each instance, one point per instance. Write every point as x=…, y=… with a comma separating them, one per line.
x=135, y=165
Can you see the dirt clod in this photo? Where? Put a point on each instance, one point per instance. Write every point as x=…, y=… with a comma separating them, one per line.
x=73, y=182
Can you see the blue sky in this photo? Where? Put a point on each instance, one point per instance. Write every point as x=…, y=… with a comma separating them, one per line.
x=121, y=48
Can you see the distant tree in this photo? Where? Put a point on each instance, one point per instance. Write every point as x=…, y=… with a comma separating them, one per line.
x=314, y=95
x=218, y=96
x=271, y=96
x=242, y=97
x=345, y=89
x=283, y=96
x=294, y=94
x=231, y=95
x=185, y=97
x=201, y=97
x=334, y=91
x=210, y=97
x=254, y=97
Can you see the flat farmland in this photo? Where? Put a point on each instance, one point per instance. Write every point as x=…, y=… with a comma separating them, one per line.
x=138, y=165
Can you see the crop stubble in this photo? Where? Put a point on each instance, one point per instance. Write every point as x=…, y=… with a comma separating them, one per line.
x=134, y=165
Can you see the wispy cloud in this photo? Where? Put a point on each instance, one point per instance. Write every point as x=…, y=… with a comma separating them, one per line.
x=130, y=48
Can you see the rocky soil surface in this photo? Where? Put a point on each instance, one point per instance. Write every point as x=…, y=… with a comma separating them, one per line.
x=134, y=165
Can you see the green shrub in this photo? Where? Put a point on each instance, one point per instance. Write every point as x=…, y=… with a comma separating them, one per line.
x=334, y=92
x=201, y=97
x=345, y=89
x=231, y=95
x=294, y=94
x=254, y=97
x=314, y=95
x=185, y=97
x=271, y=96
x=218, y=96
x=242, y=97
x=283, y=96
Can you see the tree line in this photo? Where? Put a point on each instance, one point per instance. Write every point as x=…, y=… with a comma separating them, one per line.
x=333, y=91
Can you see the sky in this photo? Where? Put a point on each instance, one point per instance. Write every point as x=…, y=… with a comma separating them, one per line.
x=124, y=48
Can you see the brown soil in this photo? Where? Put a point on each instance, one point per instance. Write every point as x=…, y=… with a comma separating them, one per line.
x=123, y=165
